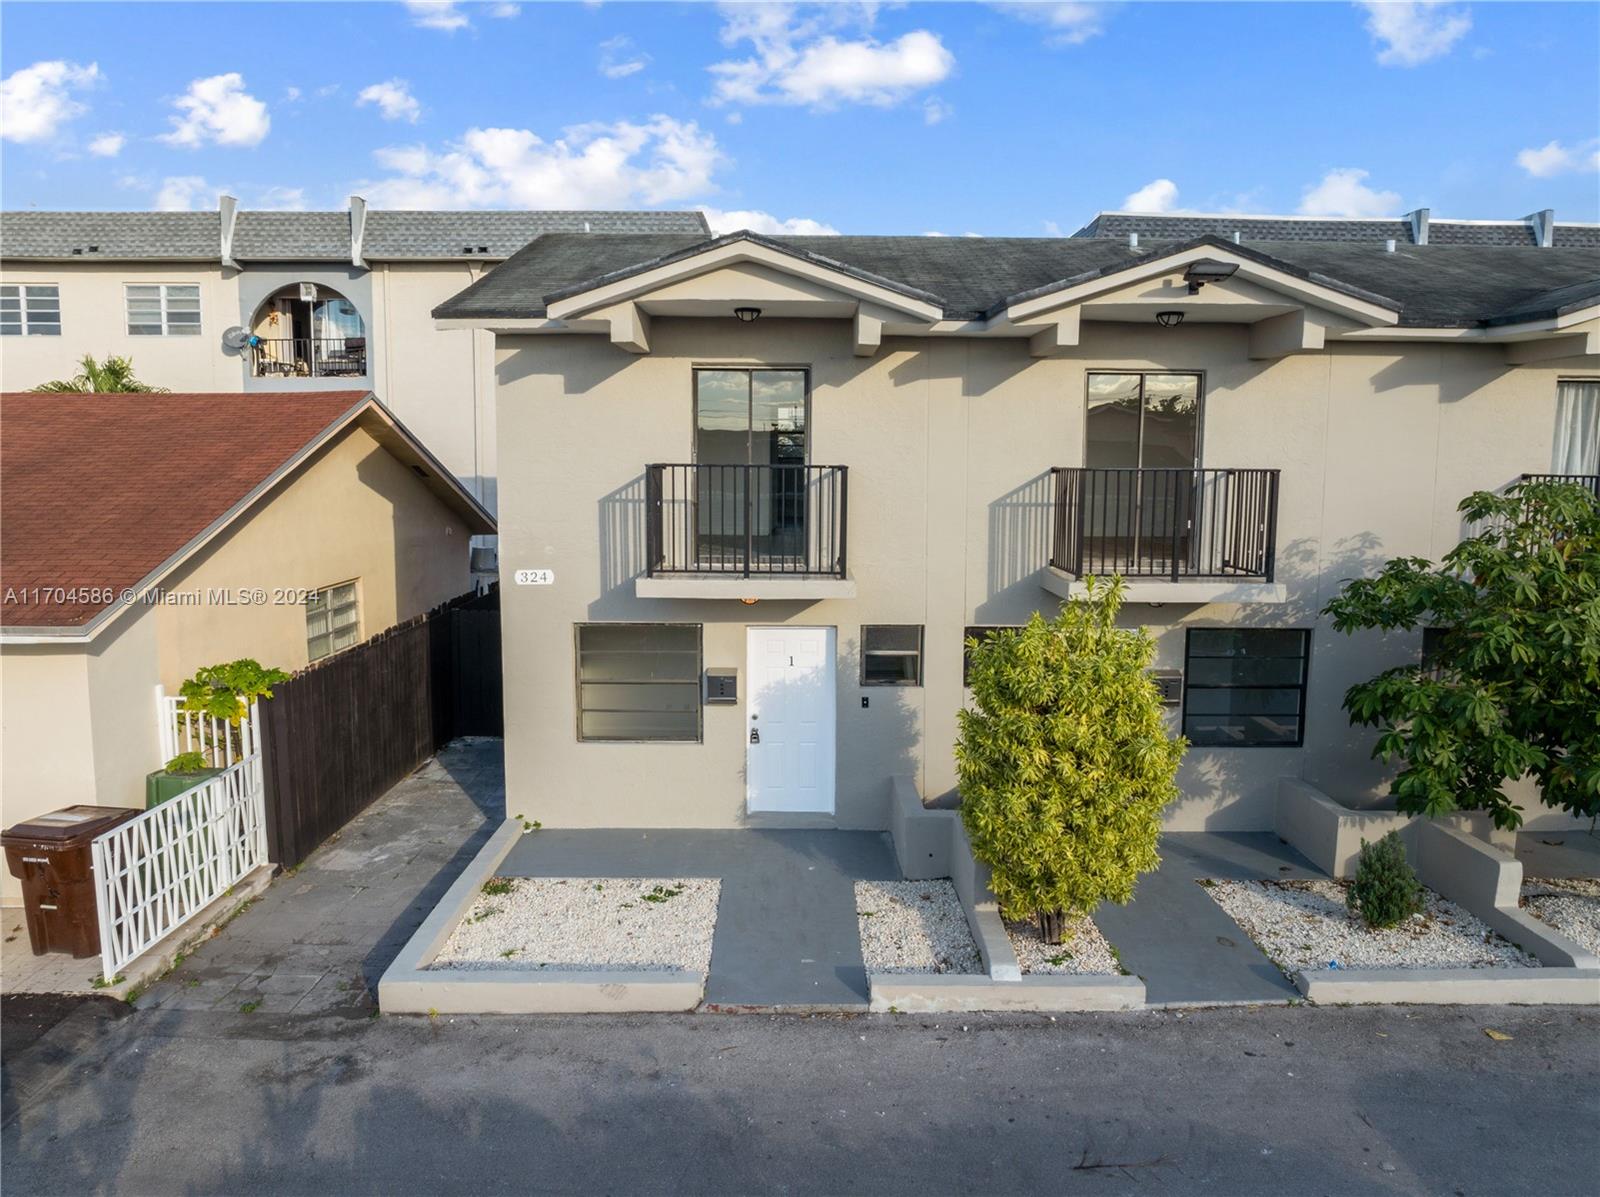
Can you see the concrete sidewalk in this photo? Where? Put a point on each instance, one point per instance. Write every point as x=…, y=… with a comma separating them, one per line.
x=1176, y=937
x=318, y=940
x=786, y=934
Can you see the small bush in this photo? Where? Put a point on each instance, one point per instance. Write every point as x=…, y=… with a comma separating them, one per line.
x=1386, y=891
x=187, y=762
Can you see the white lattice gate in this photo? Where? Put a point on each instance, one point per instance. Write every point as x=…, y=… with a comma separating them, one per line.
x=157, y=871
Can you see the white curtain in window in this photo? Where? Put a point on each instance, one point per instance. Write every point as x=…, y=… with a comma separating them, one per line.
x=1577, y=428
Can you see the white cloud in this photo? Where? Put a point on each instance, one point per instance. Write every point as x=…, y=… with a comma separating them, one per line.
x=437, y=14
x=282, y=199
x=1343, y=192
x=393, y=98
x=505, y=12
x=218, y=111
x=1554, y=158
x=37, y=100
x=1410, y=34
x=107, y=145
x=619, y=58
x=1069, y=24
x=1158, y=195
x=935, y=110
x=798, y=60
x=183, y=193
x=621, y=165
x=764, y=222
x=292, y=94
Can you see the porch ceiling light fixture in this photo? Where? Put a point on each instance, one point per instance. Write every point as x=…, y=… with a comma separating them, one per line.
x=747, y=315
x=1169, y=319
x=1207, y=271
x=749, y=602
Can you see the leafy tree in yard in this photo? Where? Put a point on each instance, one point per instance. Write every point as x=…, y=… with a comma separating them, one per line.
x=110, y=377
x=1514, y=687
x=1066, y=762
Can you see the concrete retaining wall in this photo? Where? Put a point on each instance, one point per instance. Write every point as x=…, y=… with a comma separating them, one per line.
x=410, y=987
x=1452, y=986
x=925, y=993
x=1329, y=834
x=1488, y=883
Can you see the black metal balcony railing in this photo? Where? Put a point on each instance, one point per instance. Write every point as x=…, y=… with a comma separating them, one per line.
x=1589, y=481
x=309, y=357
x=746, y=520
x=1166, y=523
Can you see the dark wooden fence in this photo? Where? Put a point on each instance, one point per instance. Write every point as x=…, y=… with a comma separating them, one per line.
x=339, y=734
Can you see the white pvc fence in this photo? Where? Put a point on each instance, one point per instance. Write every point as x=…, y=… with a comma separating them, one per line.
x=158, y=870
x=185, y=731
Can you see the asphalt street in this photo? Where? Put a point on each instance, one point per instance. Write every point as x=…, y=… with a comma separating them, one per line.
x=1232, y=1101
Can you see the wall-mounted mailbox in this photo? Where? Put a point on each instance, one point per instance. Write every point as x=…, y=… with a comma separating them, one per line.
x=722, y=686
x=1170, y=683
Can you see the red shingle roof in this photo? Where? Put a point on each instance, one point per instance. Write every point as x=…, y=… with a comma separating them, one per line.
x=96, y=491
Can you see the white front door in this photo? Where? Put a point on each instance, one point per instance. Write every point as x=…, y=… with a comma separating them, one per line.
x=789, y=726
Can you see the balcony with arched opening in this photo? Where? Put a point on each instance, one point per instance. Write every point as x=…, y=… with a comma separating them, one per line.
x=307, y=330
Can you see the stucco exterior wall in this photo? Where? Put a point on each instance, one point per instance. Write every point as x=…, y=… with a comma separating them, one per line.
x=351, y=513
x=78, y=725
x=440, y=383
x=949, y=444
x=94, y=321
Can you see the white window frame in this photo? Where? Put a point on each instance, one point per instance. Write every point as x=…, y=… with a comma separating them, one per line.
x=325, y=593
x=164, y=299
x=27, y=325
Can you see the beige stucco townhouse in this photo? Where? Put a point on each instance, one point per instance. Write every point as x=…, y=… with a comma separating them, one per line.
x=755, y=492
x=143, y=537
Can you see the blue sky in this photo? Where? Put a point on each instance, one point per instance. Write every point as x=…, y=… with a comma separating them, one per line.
x=1002, y=119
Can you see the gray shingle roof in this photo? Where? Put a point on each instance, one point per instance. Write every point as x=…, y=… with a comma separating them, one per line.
x=1433, y=286
x=1441, y=231
x=173, y=235
x=291, y=237
x=309, y=236
x=400, y=234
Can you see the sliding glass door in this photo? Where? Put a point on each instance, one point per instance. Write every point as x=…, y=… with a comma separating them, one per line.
x=1142, y=451
x=750, y=456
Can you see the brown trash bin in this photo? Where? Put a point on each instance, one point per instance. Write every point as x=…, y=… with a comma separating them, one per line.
x=51, y=856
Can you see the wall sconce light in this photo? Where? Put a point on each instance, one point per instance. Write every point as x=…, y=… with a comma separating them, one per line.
x=747, y=315
x=1169, y=319
x=1208, y=271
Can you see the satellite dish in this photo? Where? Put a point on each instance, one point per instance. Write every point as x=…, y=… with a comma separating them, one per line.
x=236, y=338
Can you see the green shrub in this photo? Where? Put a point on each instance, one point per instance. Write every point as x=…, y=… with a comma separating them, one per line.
x=1386, y=891
x=1066, y=761
x=187, y=762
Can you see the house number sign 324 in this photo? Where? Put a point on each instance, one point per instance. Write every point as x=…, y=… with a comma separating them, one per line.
x=536, y=577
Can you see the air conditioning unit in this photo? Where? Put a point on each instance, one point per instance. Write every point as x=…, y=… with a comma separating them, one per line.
x=1170, y=683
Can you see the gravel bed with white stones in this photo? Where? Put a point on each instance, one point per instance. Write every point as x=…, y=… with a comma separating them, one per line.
x=589, y=924
x=1569, y=904
x=1307, y=925
x=914, y=927
x=1082, y=949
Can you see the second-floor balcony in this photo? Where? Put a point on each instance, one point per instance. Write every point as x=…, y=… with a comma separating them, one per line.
x=1590, y=482
x=1175, y=525
x=308, y=357
x=746, y=524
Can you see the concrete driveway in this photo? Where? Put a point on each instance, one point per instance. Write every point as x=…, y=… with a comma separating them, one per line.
x=318, y=940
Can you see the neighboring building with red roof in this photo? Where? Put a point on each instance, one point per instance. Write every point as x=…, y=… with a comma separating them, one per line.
x=144, y=536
